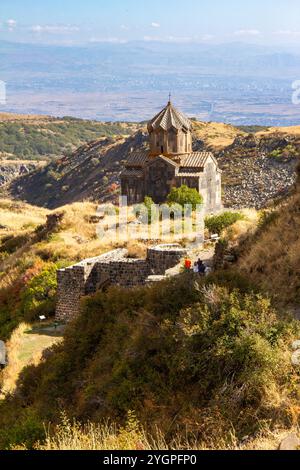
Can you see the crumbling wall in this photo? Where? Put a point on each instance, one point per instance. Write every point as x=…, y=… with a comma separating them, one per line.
x=81, y=279
x=163, y=257
x=116, y=268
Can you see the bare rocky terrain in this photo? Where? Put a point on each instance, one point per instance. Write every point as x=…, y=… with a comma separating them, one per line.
x=258, y=169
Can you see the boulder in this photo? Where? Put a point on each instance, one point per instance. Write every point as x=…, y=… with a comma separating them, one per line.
x=291, y=442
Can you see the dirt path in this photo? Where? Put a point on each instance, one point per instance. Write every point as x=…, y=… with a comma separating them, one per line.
x=206, y=254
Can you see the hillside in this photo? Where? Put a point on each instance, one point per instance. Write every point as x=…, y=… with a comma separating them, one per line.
x=257, y=168
x=205, y=361
x=32, y=137
x=272, y=259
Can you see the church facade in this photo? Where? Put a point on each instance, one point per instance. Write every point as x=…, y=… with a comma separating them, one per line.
x=170, y=162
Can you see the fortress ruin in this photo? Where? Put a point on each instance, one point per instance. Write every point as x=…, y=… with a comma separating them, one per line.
x=113, y=268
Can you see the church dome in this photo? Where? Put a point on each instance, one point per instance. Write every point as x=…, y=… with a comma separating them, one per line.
x=170, y=118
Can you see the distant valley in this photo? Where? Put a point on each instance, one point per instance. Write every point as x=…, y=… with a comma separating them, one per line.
x=234, y=83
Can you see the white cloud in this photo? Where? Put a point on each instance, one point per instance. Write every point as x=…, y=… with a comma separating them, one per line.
x=174, y=39
x=154, y=24
x=247, y=32
x=207, y=37
x=288, y=33
x=11, y=24
x=111, y=40
x=54, y=29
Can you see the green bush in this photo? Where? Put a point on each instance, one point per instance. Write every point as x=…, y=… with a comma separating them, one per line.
x=38, y=297
x=147, y=212
x=217, y=223
x=53, y=138
x=185, y=195
x=26, y=430
x=276, y=153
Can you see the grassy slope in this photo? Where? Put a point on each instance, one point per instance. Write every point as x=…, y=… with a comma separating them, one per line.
x=215, y=136
x=30, y=255
x=195, y=360
x=203, y=363
x=273, y=258
x=24, y=348
x=39, y=138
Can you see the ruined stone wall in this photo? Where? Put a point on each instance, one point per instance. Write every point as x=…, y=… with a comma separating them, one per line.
x=113, y=268
x=163, y=257
x=79, y=280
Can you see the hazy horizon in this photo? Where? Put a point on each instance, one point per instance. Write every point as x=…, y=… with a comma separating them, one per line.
x=225, y=61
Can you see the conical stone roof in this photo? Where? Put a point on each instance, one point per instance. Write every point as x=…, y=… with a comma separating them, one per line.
x=170, y=118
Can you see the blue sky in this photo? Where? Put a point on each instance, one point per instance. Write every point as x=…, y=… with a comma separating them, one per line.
x=81, y=21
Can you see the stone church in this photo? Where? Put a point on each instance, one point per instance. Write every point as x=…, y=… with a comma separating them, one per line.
x=170, y=162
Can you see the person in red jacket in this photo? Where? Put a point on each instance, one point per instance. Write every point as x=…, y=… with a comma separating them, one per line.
x=188, y=264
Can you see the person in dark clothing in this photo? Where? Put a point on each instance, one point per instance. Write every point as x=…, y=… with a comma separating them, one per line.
x=201, y=267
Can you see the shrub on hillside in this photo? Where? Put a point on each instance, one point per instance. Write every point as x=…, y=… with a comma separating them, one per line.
x=216, y=357
x=185, y=195
x=147, y=212
x=39, y=294
x=217, y=223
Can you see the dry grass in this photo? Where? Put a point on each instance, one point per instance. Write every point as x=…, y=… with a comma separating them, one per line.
x=17, y=216
x=216, y=135
x=243, y=228
x=72, y=436
x=289, y=130
x=24, y=348
x=32, y=118
x=273, y=260
x=136, y=249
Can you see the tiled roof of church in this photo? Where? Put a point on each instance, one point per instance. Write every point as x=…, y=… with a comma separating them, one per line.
x=170, y=118
x=132, y=172
x=137, y=159
x=189, y=172
x=194, y=159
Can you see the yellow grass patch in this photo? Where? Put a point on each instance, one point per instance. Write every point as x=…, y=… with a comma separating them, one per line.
x=25, y=347
x=16, y=216
x=216, y=135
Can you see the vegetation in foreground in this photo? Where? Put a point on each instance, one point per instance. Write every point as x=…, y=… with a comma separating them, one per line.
x=202, y=363
x=189, y=357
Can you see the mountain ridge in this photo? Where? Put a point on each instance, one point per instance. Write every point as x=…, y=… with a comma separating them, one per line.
x=250, y=162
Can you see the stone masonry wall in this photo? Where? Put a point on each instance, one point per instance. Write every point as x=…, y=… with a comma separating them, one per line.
x=163, y=257
x=113, y=268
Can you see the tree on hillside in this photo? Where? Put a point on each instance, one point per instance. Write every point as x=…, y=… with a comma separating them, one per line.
x=185, y=195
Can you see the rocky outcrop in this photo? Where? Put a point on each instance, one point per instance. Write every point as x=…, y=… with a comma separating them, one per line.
x=10, y=171
x=257, y=171
x=291, y=442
